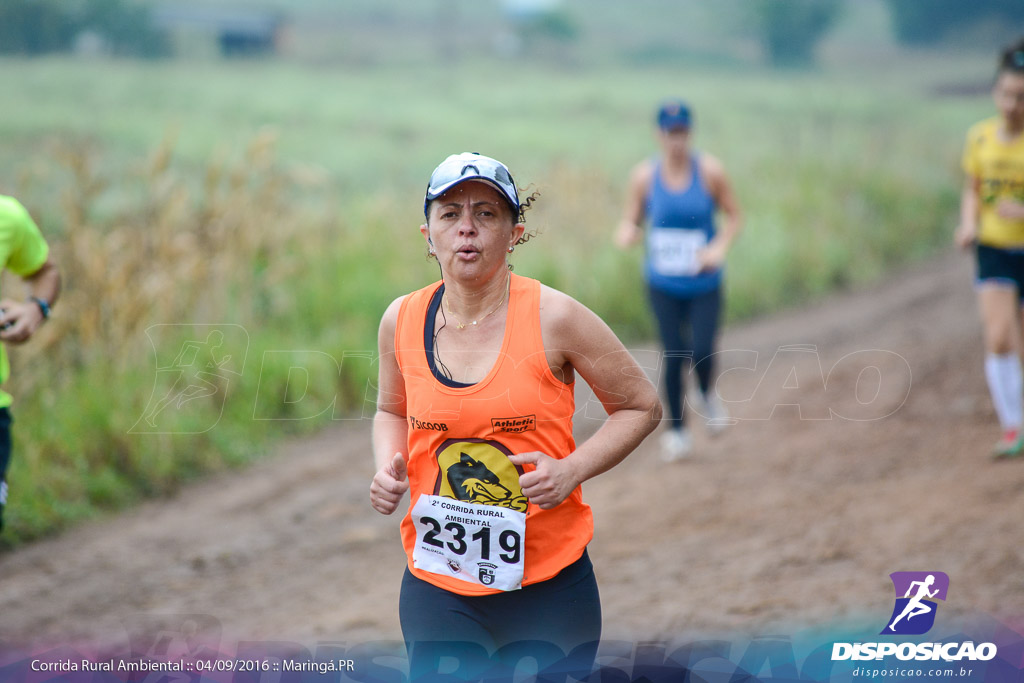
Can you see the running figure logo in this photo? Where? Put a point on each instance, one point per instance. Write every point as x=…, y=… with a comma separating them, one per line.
x=195, y=366
x=914, y=613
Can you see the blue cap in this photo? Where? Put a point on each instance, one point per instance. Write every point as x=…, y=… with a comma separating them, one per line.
x=674, y=114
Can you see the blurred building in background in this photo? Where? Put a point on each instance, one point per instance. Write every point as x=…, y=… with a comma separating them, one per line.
x=233, y=32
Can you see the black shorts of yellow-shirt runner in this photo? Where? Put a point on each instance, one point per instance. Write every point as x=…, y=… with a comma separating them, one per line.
x=1001, y=267
x=5, y=458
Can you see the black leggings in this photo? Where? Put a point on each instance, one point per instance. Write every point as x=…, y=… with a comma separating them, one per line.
x=5, y=458
x=556, y=622
x=699, y=316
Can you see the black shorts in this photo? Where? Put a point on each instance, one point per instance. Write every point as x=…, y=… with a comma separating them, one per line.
x=557, y=623
x=5, y=442
x=1001, y=266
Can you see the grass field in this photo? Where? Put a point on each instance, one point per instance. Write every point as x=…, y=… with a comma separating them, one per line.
x=283, y=198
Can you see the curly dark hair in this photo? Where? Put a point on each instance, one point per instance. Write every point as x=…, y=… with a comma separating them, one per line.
x=524, y=206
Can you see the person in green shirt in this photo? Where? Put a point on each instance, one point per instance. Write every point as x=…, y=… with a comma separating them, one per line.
x=24, y=252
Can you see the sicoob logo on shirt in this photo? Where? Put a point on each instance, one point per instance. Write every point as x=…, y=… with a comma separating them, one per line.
x=417, y=423
x=914, y=613
x=479, y=471
x=514, y=425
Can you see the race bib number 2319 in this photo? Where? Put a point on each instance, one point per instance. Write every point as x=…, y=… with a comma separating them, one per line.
x=481, y=544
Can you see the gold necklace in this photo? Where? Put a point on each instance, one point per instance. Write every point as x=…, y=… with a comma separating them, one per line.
x=462, y=325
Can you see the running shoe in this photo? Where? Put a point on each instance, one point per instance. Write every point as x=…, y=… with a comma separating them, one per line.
x=676, y=444
x=716, y=414
x=1010, y=446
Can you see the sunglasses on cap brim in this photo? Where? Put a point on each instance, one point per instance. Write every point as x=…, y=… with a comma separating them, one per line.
x=453, y=171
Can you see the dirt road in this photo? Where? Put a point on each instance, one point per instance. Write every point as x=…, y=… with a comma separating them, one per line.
x=783, y=521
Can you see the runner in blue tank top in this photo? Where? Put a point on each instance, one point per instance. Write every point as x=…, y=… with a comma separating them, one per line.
x=677, y=197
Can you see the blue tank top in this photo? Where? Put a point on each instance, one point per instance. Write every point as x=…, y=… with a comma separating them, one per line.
x=679, y=224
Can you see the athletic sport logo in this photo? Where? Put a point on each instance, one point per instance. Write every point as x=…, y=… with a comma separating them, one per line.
x=914, y=612
x=514, y=425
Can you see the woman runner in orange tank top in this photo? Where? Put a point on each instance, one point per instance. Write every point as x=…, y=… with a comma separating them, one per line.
x=474, y=419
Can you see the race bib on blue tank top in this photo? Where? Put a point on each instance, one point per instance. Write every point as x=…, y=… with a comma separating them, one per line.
x=675, y=252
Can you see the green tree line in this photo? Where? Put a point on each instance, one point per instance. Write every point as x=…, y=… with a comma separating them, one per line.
x=930, y=22
x=789, y=30
x=36, y=27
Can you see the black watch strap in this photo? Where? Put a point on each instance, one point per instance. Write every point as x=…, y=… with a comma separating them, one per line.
x=44, y=307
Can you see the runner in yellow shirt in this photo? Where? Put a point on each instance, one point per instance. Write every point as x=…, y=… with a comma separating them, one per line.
x=24, y=252
x=992, y=220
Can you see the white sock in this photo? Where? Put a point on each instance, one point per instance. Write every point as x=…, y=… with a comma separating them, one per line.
x=1006, y=384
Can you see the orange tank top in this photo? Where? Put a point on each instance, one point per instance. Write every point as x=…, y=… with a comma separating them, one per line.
x=460, y=437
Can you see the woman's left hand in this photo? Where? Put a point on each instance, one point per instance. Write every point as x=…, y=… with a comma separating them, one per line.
x=549, y=482
x=711, y=257
x=1010, y=209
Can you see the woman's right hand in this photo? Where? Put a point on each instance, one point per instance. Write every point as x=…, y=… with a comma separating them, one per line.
x=389, y=485
x=965, y=236
x=628, y=234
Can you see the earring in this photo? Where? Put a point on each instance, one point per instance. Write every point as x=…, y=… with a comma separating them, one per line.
x=511, y=249
x=431, y=252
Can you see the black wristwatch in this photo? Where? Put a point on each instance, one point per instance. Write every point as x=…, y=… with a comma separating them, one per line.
x=44, y=307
